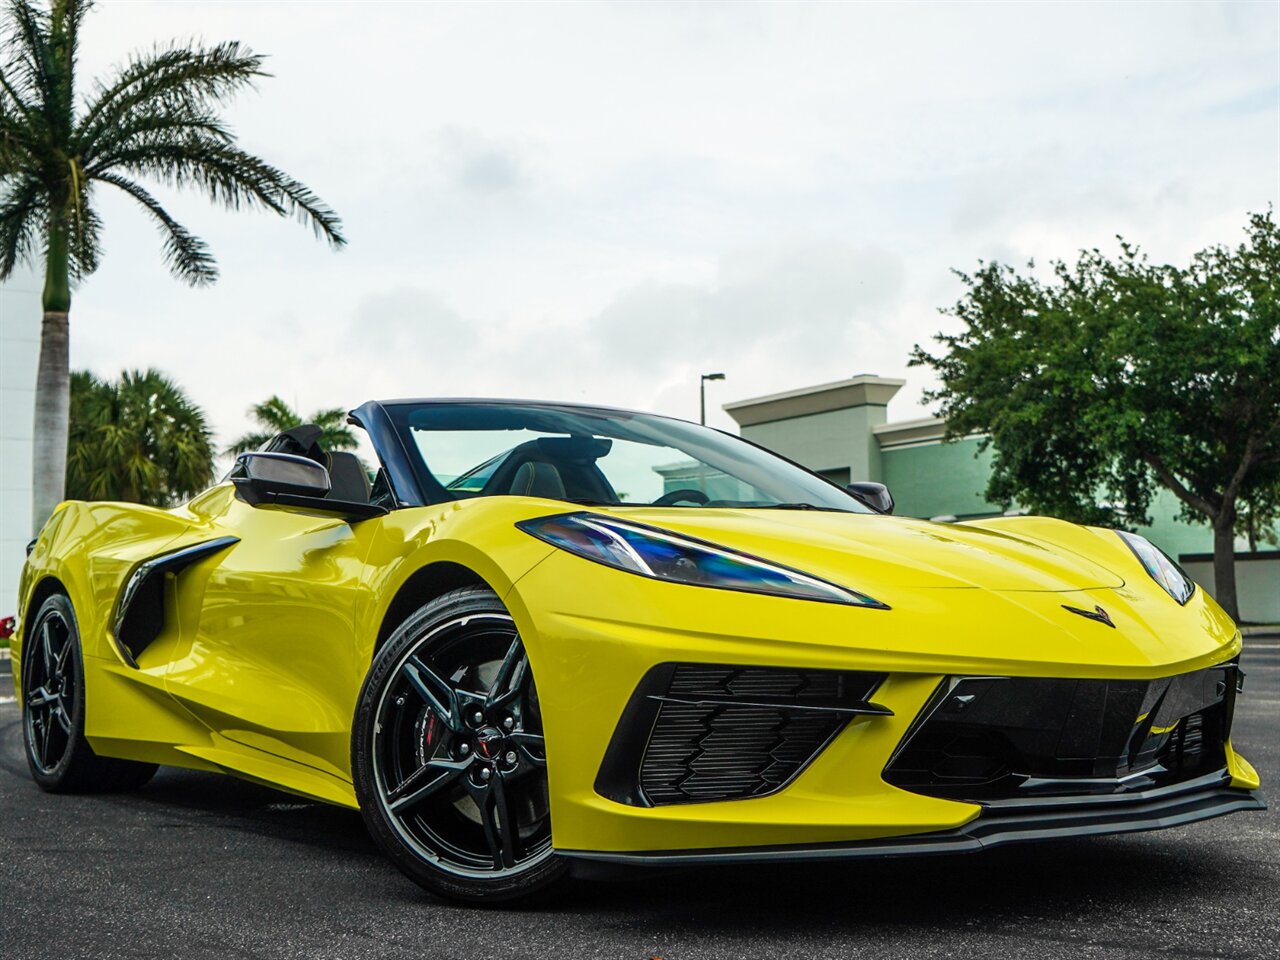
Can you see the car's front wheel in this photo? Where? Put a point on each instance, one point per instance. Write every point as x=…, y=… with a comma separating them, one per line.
x=448, y=755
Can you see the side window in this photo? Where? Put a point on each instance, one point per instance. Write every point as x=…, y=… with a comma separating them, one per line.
x=472, y=483
x=380, y=495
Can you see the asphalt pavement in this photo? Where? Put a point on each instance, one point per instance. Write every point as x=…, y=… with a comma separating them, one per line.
x=199, y=866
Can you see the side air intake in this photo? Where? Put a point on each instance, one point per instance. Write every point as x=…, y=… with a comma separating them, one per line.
x=140, y=612
x=703, y=732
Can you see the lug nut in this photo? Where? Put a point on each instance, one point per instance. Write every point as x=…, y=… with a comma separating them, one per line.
x=464, y=749
x=485, y=773
x=509, y=722
x=477, y=717
x=511, y=756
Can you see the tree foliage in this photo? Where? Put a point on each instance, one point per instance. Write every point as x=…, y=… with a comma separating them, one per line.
x=1118, y=376
x=1259, y=521
x=139, y=439
x=275, y=416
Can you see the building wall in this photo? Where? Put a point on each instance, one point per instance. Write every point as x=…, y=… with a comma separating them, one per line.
x=19, y=352
x=833, y=441
x=939, y=479
x=1256, y=577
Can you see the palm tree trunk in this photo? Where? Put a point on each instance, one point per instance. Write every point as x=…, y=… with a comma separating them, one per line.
x=53, y=380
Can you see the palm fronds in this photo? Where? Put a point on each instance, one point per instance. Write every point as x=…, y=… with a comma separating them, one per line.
x=274, y=416
x=154, y=118
x=138, y=439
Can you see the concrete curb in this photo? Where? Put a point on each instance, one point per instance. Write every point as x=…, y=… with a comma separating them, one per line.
x=1261, y=630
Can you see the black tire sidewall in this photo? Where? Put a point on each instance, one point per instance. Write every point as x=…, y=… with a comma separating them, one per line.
x=467, y=600
x=79, y=770
x=64, y=774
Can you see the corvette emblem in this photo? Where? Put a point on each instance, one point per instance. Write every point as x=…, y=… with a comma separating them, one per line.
x=1097, y=613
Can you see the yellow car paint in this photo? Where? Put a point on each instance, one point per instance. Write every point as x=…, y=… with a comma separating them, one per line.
x=257, y=671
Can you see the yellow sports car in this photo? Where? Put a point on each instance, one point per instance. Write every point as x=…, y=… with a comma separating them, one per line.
x=547, y=635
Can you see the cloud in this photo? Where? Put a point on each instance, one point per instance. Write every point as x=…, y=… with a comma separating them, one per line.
x=601, y=201
x=790, y=298
x=479, y=165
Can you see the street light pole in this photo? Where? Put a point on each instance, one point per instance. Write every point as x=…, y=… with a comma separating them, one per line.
x=702, y=392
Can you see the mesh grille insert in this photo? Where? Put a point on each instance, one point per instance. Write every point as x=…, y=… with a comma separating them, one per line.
x=699, y=752
x=696, y=732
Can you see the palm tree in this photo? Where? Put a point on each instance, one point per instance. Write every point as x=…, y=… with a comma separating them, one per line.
x=138, y=439
x=275, y=416
x=155, y=118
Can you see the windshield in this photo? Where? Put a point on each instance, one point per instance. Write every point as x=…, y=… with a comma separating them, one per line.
x=598, y=457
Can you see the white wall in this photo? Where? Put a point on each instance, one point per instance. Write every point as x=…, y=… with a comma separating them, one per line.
x=1257, y=584
x=19, y=351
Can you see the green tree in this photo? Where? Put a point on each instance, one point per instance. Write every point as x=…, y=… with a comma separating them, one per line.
x=1119, y=376
x=156, y=117
x=138, y=439
x=1259, y=520
x=275, y=416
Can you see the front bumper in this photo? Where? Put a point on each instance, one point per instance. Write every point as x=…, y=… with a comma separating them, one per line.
x=593, y=634
x=1001, y=822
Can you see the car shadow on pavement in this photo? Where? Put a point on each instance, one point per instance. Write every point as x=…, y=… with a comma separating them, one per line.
x=1064, y=879
x=190, y=798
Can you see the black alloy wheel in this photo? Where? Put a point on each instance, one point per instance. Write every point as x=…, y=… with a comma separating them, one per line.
x=448, y=753
x=53, y=710
x=50, y=683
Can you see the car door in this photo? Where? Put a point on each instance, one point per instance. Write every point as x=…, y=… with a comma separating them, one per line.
x=269, y=663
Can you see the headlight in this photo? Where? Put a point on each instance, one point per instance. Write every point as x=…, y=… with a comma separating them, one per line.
x=651, y=552
x=1163, y=570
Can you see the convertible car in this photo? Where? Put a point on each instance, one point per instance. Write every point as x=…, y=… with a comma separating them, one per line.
x=547, y=636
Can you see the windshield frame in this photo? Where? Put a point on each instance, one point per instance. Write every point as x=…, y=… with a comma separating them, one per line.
x=401, y=447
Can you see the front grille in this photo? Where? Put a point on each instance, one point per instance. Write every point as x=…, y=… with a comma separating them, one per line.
x=703, y=732
x=727, y=753
x=984, y=738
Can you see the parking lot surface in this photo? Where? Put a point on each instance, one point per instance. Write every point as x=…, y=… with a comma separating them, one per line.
x=199, y=866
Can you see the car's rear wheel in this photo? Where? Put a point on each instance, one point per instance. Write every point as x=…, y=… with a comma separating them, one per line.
x=53, y=710
x=448, y=755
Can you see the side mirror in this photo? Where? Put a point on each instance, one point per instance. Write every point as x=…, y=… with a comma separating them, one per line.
x=260, y=476
x=874, y=495
x=285, y=480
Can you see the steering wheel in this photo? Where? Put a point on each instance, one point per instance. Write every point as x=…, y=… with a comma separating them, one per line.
x=675, y=496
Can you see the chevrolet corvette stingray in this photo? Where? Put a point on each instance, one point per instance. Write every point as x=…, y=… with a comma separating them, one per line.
x=536, y=635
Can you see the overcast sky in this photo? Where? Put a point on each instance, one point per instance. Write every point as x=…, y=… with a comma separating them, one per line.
x=600, y=201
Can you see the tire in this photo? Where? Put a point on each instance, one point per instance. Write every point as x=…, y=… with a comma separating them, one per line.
x=448, y=758
x=53, y=711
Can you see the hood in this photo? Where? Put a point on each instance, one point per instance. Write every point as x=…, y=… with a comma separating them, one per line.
x=870, y=552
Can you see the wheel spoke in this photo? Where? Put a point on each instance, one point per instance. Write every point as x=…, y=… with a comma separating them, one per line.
x=438, y=694
x=511, y=676
x=63, y=656
x=532, y=747
x=46, y=647
x=40, y=697
x=45, y=730
x=423, y=782
x=60, y=714
x=501, y=830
